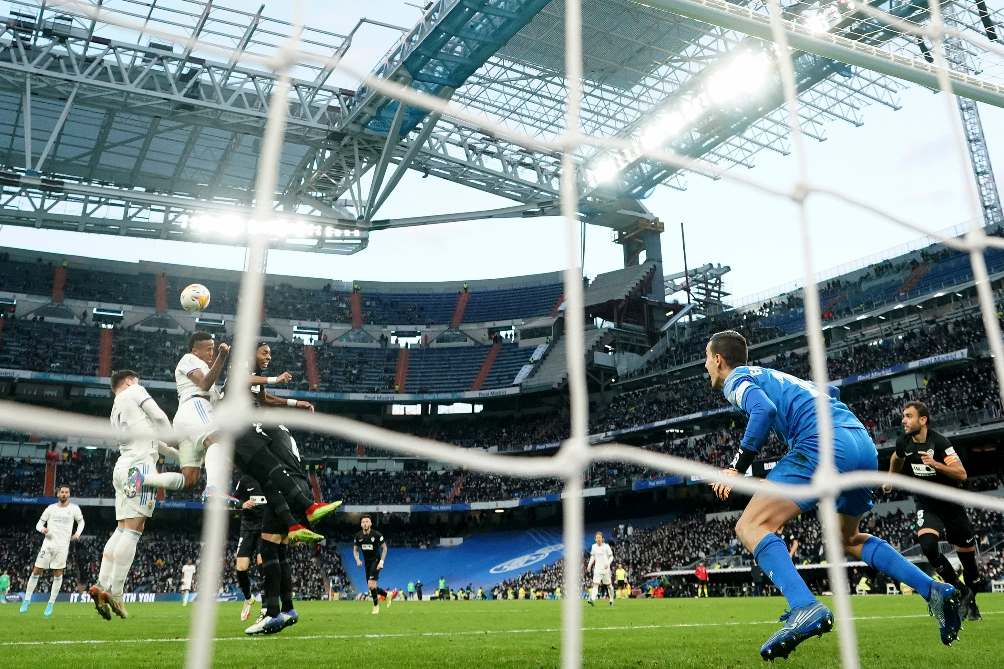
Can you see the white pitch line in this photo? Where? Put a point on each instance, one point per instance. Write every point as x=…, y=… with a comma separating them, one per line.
x=415, y=635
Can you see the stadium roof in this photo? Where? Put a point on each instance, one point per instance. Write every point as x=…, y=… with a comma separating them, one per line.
x=122, y=129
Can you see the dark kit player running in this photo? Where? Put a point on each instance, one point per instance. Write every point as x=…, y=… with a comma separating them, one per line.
x=930, y=456
x=373, y=547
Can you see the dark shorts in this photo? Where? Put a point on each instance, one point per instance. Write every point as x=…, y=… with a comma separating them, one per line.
x=271, y=523
x=950, y=520
x=247, y=544
x=372, y=572
x=621, y=584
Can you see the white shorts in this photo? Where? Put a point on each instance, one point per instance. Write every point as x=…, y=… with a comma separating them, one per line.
x=186, y=587
x=51, y=557
x=143, y=504
x=193, y=416
x=601, y=577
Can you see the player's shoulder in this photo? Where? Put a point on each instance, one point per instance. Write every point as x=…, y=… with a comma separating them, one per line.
x=134, y=393
x=190, y=361
x=937, y=438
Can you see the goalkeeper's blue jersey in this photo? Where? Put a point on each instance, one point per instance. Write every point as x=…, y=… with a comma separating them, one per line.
x=795, y=400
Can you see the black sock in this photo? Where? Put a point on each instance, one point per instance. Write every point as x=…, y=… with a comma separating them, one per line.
x=286, y=579
x=380, y=591
x=373, y=594
x=272, y=575
x=244, y=581
x=929, y=544
x=969, y=569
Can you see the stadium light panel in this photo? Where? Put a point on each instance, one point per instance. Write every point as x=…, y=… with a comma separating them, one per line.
x=745, y=75
x=605, y=171
x=819, y=20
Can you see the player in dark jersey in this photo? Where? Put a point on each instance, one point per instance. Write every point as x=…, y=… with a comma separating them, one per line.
x=930, y=456
x=277, y=605
x=373, y=547
x=252, y=504
x=254, y=456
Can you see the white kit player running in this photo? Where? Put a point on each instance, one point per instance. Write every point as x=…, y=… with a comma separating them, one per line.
x=134, y=477
x=56, y=524
x=195, y=377
x=601, y=558
x=187, y=581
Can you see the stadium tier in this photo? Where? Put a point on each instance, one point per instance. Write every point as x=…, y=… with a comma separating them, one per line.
x=309, y=300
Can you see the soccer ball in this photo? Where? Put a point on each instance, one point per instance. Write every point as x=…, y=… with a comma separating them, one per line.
x=194, y=298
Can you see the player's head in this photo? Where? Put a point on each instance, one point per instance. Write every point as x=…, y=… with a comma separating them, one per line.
x=202, y=345
x=122, y=379
x=263, y=355
x=366, y=523
x=725, y=351
x=63, y=494
x=915, y=417
x=599, y=538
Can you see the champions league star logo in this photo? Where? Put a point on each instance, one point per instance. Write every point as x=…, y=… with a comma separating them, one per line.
x=526, y=560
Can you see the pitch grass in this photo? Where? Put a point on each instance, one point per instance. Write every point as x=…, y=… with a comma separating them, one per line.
x=893, y=632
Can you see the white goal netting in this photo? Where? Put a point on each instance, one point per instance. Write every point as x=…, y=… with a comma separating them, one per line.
x=575, y=454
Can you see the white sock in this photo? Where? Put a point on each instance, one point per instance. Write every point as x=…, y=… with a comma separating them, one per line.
x=216, y=464
x=108, y=560
x=29, y=590
x=57, y=583
x=165, y=480
x=125, y=551
x=593, y=592
x=184, y=599
x=610, y=592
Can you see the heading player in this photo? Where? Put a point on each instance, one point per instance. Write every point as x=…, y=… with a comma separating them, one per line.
x=56, y=524
x=779, y=401
x=374, y=551
x=277, y=605
x=930, y=456
x=134, y=476
x=601, y=557
x=195, y=377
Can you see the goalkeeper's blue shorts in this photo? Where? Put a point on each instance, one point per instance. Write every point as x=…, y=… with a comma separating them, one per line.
x=853, y=450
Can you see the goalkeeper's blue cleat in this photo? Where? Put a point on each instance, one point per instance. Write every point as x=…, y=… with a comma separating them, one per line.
x=799, y=625
x=944, y=605
x=25, y=603
x=48, y=610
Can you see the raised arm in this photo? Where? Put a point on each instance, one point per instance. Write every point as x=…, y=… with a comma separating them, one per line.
x=206, y=381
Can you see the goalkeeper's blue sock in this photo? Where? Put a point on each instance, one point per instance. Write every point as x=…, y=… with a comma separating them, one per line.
x=772, y=556
x=878, y=554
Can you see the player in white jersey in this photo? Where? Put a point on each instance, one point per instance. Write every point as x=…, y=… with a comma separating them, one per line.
x=135, y=477
x=601, y=557
x=187, y=578
x=196, y=376
x=56, y=524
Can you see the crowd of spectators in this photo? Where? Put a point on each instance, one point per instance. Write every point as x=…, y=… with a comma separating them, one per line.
x=878, y=285
x=679, y=398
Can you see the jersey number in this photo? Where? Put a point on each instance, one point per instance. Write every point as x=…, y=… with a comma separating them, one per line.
x=781, y=377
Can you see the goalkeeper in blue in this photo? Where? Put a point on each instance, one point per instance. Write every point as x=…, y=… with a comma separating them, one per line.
x=781, y=402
